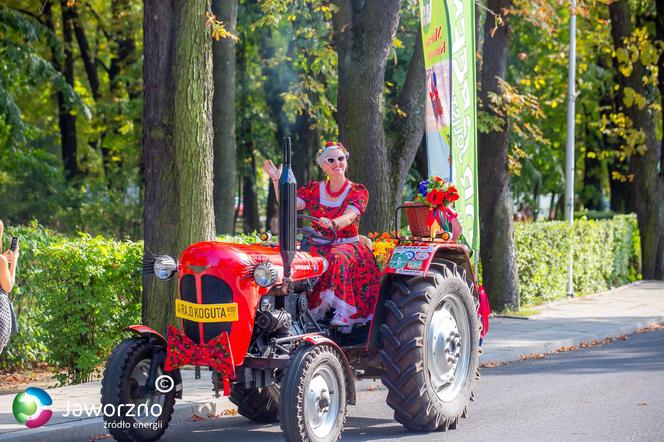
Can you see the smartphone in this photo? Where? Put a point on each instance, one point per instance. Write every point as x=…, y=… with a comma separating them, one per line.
x=14, y=244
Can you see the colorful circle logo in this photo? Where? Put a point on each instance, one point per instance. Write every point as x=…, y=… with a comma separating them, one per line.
x=29, y=407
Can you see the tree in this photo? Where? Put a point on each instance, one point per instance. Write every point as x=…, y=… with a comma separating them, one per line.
x=177, y=140
x=646, y=156
x=223, y=118
x=496, y=226
x=364, y=34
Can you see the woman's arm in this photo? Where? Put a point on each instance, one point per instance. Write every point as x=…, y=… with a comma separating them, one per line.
x=342, y=221
x=6, y=277
x=299, y=204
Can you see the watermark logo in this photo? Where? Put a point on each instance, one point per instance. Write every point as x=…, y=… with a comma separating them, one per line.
x=30, y=407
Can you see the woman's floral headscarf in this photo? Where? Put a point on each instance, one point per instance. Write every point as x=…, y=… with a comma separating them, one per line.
x=327, y=152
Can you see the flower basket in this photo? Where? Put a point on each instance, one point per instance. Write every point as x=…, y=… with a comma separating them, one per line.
x=431, y=213
x=417, y=214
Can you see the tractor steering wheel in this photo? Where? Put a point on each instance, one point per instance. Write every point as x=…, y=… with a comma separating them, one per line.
x=308, y=233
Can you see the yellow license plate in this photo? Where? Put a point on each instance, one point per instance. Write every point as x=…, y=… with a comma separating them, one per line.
x=206, y=312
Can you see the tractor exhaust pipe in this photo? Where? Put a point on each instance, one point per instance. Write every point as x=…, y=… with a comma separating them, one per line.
x=287, y=215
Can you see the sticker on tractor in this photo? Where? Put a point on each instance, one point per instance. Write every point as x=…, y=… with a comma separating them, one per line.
x=415, y=264
x=410, y=260
x=398, y=261
x=206, y=312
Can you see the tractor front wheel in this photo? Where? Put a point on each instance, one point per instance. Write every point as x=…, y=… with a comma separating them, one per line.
x=313, y=396
x=130, y=412
x=431, y=348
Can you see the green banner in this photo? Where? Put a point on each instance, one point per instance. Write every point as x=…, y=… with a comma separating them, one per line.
x=448, y=36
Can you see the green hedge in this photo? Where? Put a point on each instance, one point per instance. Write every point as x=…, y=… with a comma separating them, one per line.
x=75, y=295
x=606, y=254
x=73, y=298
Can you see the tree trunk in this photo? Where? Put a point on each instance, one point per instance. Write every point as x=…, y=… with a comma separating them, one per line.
x=223, y=118
x=177, y=140
x=648, y=182
x=364, y=31
x=66, y=120
x=408, y=130
x=86, y=54
x=499, y=269
x=250, y=202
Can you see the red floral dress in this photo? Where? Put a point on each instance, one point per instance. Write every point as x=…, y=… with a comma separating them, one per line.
x=350, y=285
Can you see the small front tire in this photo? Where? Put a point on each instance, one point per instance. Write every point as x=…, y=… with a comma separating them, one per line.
x=314, y=395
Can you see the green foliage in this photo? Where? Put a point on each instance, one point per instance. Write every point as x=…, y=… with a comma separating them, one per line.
x=606, y=254
x=91, y=290
x=22, y=65
x=106, y=197
x=76, y=297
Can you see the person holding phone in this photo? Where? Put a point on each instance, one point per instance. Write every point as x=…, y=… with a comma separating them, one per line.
x=8, y=262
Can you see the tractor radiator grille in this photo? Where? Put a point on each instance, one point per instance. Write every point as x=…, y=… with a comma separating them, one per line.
x=188, y=293
x=214, y=291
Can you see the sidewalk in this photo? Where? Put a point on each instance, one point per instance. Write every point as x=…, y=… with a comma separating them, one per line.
x=561, y=324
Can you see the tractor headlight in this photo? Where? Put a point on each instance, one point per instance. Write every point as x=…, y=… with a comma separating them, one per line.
x=265, y=274
x=165, y=267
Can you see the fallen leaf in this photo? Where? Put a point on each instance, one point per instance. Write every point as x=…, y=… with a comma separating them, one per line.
x=643, y=403
x=195, y=418
x=100, y=437
x=533, y=356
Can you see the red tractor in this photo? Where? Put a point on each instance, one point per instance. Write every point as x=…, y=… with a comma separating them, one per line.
x=244, y=314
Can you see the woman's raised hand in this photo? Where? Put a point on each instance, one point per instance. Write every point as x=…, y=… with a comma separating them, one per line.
x=273, y=171
x=12, y=256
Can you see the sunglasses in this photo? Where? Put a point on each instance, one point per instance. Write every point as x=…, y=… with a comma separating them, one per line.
x=336, y=160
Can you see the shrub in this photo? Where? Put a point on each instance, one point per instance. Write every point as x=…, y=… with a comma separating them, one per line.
x=606, y=254
x=75, y=295
x=90, y=289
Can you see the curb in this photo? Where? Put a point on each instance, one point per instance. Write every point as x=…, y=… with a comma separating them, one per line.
x=550, y=347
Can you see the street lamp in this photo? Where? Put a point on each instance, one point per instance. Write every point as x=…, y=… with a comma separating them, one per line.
x=569, y=150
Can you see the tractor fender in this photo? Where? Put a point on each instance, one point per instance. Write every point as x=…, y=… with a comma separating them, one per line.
x=456, y=253
x=314, y=339
x=146, y=332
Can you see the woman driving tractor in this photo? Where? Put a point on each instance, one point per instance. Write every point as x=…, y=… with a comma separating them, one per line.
x=350, y=286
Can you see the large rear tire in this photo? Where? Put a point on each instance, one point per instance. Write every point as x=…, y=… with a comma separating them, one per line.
x=258, y=404
x=431, y=348
x=125, y=376
x=313, y=396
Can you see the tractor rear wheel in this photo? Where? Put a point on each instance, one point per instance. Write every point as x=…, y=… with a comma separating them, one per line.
x=431, y=348
x=258, y=404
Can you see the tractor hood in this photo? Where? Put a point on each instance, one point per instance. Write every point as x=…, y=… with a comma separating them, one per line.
x=241, y=259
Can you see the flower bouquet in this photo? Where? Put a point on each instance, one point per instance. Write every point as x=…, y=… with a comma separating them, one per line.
x=383, y=245
x=431, y=214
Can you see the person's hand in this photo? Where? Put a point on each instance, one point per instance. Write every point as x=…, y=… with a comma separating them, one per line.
x=325, y=222
x=12, y=256
x=273, y=171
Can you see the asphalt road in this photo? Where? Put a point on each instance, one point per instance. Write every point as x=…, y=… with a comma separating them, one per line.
x=613, y=392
